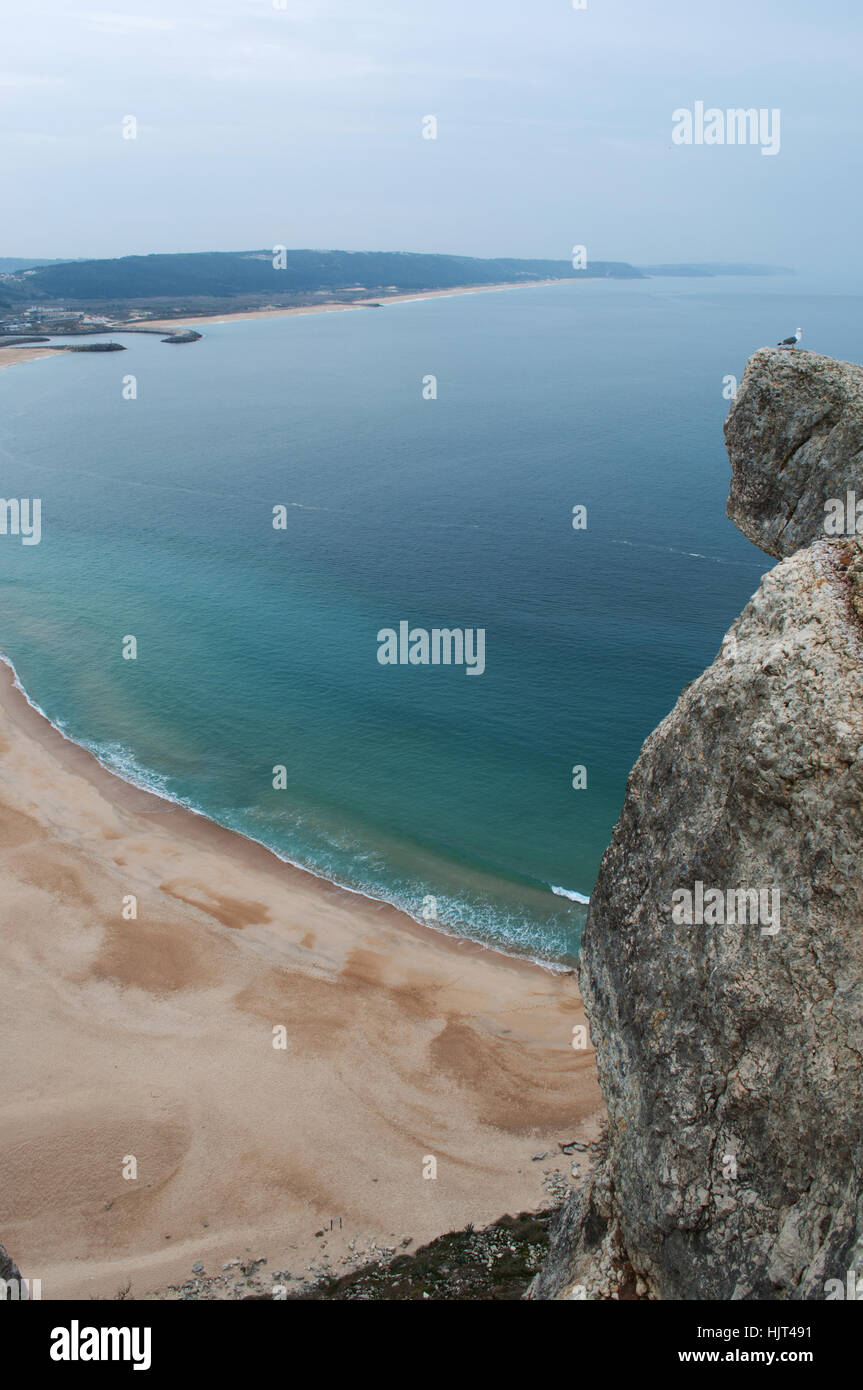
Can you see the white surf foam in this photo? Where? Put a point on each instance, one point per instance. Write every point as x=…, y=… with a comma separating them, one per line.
x=569, y=893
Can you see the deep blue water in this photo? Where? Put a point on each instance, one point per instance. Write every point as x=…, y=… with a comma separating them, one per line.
x=257, y=647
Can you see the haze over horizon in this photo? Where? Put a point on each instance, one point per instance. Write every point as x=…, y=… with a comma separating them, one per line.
x=303, y=126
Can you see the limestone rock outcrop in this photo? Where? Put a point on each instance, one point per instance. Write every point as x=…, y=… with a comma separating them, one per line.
x=795, y=440
x=729, y=1037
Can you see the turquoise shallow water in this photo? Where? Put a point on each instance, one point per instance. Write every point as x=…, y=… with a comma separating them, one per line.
x=257, y=647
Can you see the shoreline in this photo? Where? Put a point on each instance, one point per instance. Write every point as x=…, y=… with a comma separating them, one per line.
x=153, y=1037
x=408, y=297
x=203, y=828
x=555, y=967
x=27, y=353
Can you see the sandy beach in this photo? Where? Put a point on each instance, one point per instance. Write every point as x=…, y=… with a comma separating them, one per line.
x=152, y=1038
x=335, y=308
x=10, y=355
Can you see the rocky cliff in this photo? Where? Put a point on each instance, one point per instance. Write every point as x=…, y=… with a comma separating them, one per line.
x=9, y=1274
x=722, y=965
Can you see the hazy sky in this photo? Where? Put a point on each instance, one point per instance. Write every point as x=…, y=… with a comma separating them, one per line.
x=302, y=126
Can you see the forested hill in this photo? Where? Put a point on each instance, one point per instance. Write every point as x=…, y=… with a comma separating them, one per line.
x=221, y=274
x=12, y=264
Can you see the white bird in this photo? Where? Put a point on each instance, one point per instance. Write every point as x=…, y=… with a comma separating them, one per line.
x=791, y=342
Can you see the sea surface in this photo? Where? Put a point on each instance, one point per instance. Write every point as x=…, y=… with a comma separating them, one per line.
x=447, y=794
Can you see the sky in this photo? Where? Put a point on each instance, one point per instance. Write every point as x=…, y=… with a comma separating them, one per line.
x=259, y=125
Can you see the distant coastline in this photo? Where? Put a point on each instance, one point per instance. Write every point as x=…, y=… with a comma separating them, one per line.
x=10, y=353
x=92, y=296
x=330, y=307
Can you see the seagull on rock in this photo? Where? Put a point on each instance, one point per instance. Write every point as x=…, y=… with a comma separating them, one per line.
x=791, y=342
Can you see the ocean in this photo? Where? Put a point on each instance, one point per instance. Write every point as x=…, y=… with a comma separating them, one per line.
x=448, y=794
